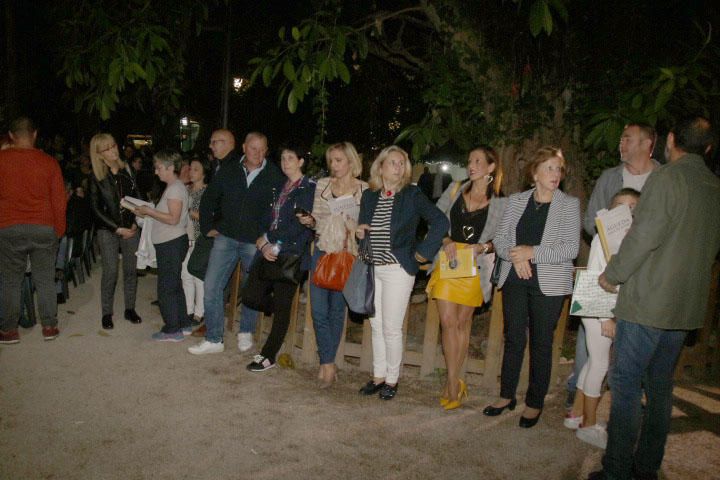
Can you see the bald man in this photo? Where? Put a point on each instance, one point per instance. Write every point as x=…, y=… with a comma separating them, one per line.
x=222, y=145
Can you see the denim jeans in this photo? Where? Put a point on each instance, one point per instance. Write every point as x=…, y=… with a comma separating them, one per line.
x=224, y=256
x=644, y=357
x=171, y=296
x=328, y=313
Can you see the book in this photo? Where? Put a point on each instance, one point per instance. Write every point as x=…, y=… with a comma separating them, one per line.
x=612, y=225
x=588, y=298
x=131, y=203
x=466, y=264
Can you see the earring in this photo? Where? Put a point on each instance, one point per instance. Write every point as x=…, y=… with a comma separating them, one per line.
x=489, y=178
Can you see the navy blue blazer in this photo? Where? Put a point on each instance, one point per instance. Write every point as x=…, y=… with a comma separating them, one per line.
x=295, y=236
x=410, y=206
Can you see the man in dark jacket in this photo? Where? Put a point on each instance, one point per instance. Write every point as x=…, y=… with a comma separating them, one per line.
x=664, y=266
x=231, y=211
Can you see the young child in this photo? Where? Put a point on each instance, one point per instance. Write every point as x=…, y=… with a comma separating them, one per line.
x=599, y=333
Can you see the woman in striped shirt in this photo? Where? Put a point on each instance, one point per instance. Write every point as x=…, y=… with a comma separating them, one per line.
x=389, y=213
x=538, y=239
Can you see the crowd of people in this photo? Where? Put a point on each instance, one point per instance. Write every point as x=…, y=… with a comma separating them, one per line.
x=205, y=217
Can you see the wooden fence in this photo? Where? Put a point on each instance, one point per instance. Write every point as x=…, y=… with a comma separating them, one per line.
x=300, y=340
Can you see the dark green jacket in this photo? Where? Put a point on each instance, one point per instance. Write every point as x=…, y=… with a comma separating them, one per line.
x=665, y=260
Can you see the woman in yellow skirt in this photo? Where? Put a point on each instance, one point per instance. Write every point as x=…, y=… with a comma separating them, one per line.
x=474, y=209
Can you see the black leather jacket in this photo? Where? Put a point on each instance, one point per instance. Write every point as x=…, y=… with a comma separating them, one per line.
x=105, y=200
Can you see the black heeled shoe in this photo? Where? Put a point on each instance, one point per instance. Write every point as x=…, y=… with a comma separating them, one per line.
x=371, y=388
x=107, y=322
x=529, y=422
x=132, y=316
x=491, y=411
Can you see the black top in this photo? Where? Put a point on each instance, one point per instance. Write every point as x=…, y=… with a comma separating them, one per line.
x=529, y=231
x=466, y=227
x=105, y=198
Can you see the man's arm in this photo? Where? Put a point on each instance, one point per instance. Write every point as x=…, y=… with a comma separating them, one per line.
x=58, y=200
x=597, y=201
x=210, y=203
x=653, y=221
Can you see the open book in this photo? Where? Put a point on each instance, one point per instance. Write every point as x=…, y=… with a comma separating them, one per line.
x=612, y=225
x=131, y=203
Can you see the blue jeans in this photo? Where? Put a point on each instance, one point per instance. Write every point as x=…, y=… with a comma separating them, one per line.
x=224, y=256
x=581, y=357
x=171, y=296
x=644, y=357
x=328, y=312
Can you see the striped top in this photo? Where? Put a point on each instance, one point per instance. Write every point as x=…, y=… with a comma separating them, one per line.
x=380, y=232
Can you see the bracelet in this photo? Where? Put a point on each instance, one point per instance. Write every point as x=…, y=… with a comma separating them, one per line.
x=263, y=246
x=485, y=248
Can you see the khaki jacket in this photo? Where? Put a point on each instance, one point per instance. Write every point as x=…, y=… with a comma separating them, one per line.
x=665, y=260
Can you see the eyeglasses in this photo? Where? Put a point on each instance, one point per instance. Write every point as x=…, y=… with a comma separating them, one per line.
x=108, y=148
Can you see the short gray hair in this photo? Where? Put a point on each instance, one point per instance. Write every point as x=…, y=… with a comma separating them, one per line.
x=169, y=157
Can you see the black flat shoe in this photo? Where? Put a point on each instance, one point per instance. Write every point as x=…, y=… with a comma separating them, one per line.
x=371, y=388
x=107, y=322
x=132, y=316
x=529, y=422
x=387, y=392
x=491, y=411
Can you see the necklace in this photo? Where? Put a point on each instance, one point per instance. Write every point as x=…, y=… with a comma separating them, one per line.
x=536, y=204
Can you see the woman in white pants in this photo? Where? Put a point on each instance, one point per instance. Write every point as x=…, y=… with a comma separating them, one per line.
x=390, y=211
x=193, y=286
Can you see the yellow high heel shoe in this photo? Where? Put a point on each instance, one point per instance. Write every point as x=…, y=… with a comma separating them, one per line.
x=453, y=404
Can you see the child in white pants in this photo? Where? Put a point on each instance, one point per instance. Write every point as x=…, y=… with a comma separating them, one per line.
x=599, y=333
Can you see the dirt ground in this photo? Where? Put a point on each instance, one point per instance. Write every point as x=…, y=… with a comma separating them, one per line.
x=104, y=405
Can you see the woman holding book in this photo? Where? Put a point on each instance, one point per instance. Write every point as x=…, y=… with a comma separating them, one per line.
x=169, y=236
x=538, y=239
x=117, y=231
x=474, y=209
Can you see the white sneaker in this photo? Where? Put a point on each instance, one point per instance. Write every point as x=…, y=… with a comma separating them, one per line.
x=571, y=422
x=205, y=347
x=595, y=435
x=245, y=341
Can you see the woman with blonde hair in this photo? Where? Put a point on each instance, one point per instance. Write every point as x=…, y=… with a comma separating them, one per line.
x=117, y=231
x=334, y=218
x=390, y=211
x=538, y=239
x=474, y=208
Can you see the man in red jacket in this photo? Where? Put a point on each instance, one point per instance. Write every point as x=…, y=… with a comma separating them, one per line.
x=32, y=218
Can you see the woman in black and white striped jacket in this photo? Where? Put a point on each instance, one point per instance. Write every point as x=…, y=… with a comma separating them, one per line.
x=538, y=239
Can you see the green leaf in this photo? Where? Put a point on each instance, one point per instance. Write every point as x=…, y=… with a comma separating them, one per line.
x=547, y=19
x=114, y=72
x=612, y=135
x=362, y=46
x=255, y=61
x=664, y=95
x=667, y=72
x=267, y=75
x=343, y=72
x=150, y=75
x=296, y=33
x=537, y=17
x=340, y=43
x=281, y=33
x=292, y=102
x=289, y=70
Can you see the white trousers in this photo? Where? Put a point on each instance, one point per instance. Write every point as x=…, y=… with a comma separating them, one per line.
x=593, y=372
x=393, y=286
x=193, y=288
